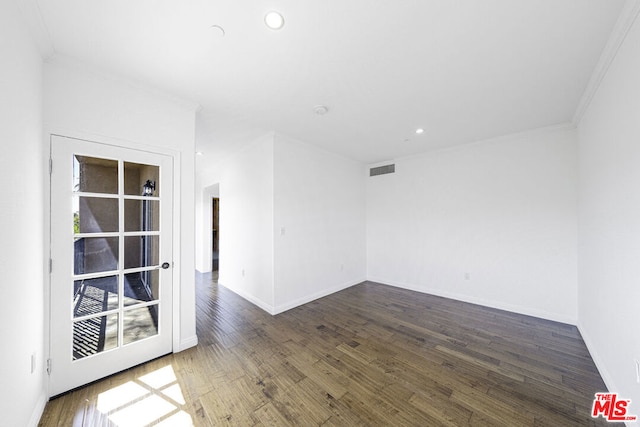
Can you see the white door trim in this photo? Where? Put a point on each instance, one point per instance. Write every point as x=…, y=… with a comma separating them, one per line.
x=178, y=344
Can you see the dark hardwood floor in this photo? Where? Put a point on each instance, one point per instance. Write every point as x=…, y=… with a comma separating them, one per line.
x=369, y=355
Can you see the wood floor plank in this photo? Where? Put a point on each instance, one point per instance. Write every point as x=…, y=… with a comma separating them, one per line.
x=438, y=406
x=496, y=409
x=369, y=355
x=473, y=358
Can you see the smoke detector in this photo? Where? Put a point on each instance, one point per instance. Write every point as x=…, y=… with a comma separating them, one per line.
x=321, y=110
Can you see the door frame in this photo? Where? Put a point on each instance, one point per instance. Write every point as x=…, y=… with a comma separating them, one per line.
x=204, y=245
x=176, y=339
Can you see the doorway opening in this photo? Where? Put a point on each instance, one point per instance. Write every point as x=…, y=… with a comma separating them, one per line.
x=208, y=250
x=215, y=234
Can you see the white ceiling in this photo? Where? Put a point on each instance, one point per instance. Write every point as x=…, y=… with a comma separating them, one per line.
x=463, y=70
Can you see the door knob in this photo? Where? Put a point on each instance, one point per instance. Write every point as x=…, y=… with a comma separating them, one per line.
x=165, y=265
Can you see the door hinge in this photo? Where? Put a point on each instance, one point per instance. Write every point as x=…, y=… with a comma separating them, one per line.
x=50, y=165
x=48, y=366
x=50, y=266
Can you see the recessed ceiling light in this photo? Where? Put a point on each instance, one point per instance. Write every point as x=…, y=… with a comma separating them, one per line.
x=218, y=30
x=321, y=110
x=419, y=131
x=274, y=20
x=199, y=153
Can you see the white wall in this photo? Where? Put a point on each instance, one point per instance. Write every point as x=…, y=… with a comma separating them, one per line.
x=245, y=182
x=501, y=211
x=609, y=222
x=319, y=223
x=277, y=183
x=83, y=103
x=22, y=393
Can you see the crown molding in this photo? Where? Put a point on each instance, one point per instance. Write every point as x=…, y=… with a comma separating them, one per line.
x=37, y=28
x=619, y=33
x=78, y=66
x=515, y=136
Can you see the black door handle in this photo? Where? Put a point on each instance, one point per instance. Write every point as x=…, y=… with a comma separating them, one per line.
x=165, y=265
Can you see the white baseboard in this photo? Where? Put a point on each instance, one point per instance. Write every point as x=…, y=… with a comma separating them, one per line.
x=295, y=303
x=595, y=356
x=253, y=300
x=308, y=298
x=527, y=311
x=188, y=343
x=38, y=409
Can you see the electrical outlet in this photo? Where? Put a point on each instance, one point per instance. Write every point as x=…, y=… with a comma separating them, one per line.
x=467, y=276
x=637, y=370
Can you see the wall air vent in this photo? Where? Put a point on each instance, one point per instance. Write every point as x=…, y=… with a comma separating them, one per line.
x=382, y=170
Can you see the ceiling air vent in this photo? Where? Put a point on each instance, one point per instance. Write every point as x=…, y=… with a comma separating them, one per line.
x=381, y=170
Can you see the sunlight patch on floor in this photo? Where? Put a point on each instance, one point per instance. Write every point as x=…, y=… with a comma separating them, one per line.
x=155, y=398
x=143, y=412
x=120, y=396
x=159, y=378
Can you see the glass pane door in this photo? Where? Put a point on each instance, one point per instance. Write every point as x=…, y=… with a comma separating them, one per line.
x=111, y=242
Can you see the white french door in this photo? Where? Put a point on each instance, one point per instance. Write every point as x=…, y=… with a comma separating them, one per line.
x=111, y=258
